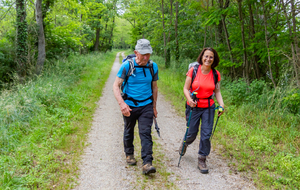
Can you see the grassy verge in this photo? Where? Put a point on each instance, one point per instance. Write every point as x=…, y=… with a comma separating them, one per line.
x=44, y=122
x=160, y=179
x=259, y=136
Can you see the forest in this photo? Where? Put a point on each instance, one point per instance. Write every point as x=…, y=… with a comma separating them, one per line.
x=258, y=42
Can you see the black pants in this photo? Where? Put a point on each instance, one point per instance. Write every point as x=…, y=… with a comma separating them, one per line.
x=207, y=120
x=144, y=116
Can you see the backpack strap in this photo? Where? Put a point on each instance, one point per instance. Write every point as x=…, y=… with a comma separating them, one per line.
x=195, y=66
x=194, y=72
x=130, y=72
x=216, y=76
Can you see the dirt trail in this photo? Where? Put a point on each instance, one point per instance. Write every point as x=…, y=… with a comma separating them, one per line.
x=103, y=163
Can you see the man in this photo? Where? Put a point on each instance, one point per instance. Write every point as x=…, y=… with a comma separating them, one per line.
x=138, y=102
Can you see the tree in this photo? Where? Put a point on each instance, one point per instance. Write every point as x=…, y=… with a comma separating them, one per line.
x=95, y=14
x=167, y=64
x=21, y=42
x=246, y=66
x=176, y=34
x=267, y=42
x=41, y=38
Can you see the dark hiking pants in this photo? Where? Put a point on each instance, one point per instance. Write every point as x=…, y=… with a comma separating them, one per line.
x=144, y=116
x=207, y=120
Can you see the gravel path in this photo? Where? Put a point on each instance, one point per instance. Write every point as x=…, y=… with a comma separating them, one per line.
x=103, y=163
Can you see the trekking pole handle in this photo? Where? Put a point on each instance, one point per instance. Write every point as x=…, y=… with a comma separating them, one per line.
x=193, y=96
x=221, y=109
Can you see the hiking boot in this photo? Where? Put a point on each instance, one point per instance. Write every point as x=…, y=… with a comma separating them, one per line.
x=202, y=164
x=130, y=160
x=148, y=169
x=184, y=149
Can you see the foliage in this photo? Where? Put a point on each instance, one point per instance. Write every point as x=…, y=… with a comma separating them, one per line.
x=240, y=91
x=292, y=101
x=6, y=60
x=70, y=26
x=214, y=24
x=121, y=34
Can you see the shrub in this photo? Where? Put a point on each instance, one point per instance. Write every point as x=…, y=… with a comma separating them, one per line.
x=292, y=101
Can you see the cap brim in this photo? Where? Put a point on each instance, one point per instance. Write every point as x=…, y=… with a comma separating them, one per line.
x=143, y=52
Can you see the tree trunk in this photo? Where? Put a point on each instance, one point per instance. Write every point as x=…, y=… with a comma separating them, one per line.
x=267, y=43
x=205, y=29
x=295, y=28
x=246, y=66
x=102, y=48
x=168, y=52
x=41, y=37
x=221, y=27
x=176, y=36
x=21, y=43
x=96, y=45
x=164, y=34
x=297, y=56
x=111, y=34
x=227, y=38
x=252, y=36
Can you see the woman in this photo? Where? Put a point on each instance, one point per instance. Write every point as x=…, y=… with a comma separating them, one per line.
x=203, y=86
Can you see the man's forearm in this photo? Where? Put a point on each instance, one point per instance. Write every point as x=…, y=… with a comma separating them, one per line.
x=155, y=92
x=117, y=92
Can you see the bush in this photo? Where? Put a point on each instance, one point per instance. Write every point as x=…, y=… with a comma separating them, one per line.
x=241, y=92
x=292, y=101
x=7, y=64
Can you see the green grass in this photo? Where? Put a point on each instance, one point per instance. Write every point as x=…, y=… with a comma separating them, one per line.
x=43, y=123
x=257, y=134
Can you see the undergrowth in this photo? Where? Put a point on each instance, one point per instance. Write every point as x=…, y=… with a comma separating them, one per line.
x=43, y=122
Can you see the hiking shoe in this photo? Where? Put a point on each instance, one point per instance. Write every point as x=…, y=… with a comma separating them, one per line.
x=202, y=164
x=130, y=160
x=184, y=149
x=148, y=169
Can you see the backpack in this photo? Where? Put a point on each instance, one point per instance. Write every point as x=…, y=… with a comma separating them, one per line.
x=196, y=66
x=130, y=72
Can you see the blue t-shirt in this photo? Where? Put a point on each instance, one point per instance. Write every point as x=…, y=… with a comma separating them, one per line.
x=139, y=84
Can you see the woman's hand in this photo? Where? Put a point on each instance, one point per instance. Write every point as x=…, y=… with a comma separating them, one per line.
x=221, y=110
x=192, y=103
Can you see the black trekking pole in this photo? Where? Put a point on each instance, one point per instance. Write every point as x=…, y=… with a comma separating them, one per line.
x=187, y=128
x=156, y=127
x=212, y=134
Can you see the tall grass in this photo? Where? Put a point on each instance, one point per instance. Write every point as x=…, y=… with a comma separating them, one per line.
x=260, y=130
x=43, y=123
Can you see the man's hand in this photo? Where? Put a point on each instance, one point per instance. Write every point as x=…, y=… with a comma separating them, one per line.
x=155, y=112
x=125, y=109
